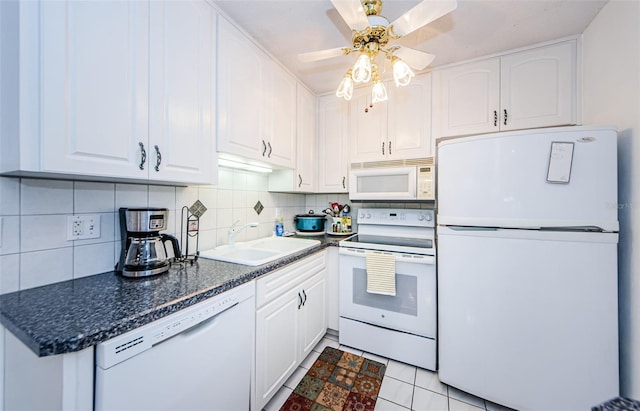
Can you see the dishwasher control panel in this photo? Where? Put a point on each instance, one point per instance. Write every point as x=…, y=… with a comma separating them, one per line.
x=132, y=343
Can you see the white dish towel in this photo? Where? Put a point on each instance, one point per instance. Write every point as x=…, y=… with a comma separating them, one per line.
x=381, y=273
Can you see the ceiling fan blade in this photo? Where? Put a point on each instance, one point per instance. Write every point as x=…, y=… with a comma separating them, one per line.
x=322, y=54
x=414, y=58
x=352, y=13
x=423, y=13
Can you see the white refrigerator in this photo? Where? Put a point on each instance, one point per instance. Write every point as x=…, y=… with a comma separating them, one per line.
x=527, y=267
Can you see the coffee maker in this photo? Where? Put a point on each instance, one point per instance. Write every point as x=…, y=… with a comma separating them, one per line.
x=143, y=247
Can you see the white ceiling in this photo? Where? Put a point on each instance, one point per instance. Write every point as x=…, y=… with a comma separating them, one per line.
x=476, y=28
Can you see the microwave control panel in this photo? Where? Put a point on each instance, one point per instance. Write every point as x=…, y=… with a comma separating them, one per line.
x=426, y=183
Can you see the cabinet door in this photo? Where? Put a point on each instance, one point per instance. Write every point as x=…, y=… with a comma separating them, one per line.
x=94, y=99
x=240, y=97
x=333, y=165
x=467, y=98
x=181, y=96
x=305, y=180
x=368, y=131
x=276, y=345
x=280, y=116
x=313, y=318
x=538, y=87
x=409, y=120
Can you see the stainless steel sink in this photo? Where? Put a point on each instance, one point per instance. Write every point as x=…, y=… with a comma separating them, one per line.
x=260, y=251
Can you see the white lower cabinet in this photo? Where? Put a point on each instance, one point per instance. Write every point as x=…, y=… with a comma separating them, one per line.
x=290, y=320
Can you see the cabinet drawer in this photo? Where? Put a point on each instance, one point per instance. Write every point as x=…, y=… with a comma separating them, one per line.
x=280, y=281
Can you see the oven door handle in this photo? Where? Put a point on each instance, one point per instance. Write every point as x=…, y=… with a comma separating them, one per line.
x=400, y=257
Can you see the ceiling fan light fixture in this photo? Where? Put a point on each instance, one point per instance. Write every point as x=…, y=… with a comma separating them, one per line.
x=362, y=69
x=402, y=73
x=345, y=89
x=378, y=91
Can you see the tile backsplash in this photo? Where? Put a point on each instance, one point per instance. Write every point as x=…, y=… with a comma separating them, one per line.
x=34, y=249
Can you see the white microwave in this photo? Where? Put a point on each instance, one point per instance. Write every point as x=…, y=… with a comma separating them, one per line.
x=415, y=182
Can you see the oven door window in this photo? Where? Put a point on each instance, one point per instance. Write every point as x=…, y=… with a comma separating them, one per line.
x=404, y=302
x=412, y=309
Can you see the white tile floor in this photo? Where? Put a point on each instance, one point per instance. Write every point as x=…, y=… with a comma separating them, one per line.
x=404, y=386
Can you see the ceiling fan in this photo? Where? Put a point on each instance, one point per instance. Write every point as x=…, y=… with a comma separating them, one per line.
x=371, y=34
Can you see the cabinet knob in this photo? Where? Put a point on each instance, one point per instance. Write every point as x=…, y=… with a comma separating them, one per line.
x=299, y=180
x=505, y=117
x=143, y=156
x=270, y=150
x=344, y=179
x=389, y=147
x=264, y=148
x=495, y=118
x=299, y=300
x=158, y=158
x=305, y=298
x=383, y=148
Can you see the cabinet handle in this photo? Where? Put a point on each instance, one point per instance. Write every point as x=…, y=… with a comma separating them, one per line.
x=383, y=148
x=389, y=147
x=305, y=298
x=300, y=181
x=158, y=158
x=269, y=155
x=143, y=156
x=343, y=182
x=505, y=117
x=299, y=301
x=264, y=148
x=495, y=118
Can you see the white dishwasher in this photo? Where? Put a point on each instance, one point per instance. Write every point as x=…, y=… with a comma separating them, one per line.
x=198, y=358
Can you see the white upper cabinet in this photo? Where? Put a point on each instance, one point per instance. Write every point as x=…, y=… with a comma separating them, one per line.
x=182, y=91
x=256, y=102
x=126, y=90
x=539, y=87
x=396, y=129
x=333, y=145
x=301, y=179
x=240, y=88
x=527, y=89
x=307, y=141
x=280, y=113
x=95, y=88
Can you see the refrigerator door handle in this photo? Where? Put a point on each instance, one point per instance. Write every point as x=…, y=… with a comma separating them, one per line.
x=467, y=228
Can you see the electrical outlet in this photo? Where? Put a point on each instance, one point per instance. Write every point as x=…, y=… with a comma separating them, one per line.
x=82, y=227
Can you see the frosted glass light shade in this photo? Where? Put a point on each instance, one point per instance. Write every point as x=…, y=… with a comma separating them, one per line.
x=345, y=89
x=362, y=69
x=378, y=92
x=402, y=73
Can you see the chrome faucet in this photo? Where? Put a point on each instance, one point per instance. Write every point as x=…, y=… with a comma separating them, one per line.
x=234, y=231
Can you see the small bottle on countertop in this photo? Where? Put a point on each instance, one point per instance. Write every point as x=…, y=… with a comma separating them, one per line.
x=279, y=227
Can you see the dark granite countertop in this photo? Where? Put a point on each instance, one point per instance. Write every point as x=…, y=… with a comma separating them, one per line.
x=72, y=315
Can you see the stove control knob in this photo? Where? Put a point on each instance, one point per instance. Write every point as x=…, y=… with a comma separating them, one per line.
x=368, y=215
x=429, y=217
x=420, y=217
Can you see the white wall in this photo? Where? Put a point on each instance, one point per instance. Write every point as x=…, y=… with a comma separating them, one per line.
x=611, y=95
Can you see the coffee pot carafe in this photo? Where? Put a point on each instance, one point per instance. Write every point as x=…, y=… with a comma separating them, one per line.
x=144, y=251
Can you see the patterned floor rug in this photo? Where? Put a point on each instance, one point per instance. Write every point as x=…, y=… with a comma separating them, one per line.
x=338, y=381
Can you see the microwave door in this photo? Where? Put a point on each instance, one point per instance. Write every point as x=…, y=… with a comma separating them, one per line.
x=392, y=183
